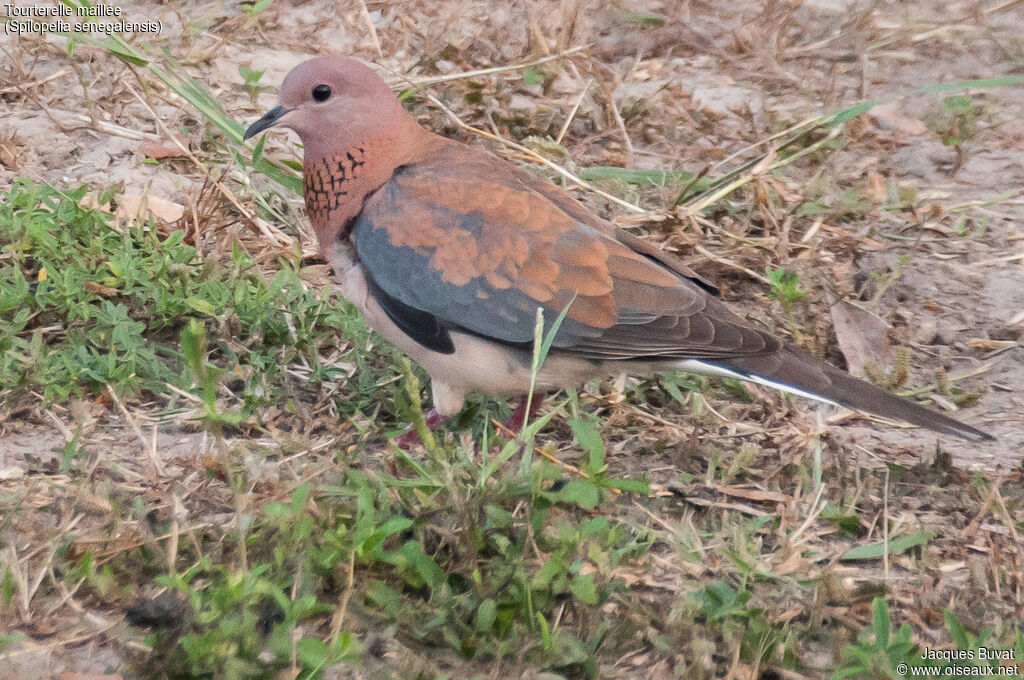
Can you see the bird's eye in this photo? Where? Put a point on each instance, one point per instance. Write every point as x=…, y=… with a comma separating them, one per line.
x=321, y=93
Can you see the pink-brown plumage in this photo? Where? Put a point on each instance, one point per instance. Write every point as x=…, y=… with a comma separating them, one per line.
x=449, y=251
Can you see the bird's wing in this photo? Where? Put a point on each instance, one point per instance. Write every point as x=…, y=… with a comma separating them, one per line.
x=461, y=240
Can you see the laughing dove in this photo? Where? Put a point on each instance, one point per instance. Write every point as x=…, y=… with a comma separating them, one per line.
x=448, y=251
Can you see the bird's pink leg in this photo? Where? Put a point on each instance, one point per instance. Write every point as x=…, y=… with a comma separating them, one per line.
x=518, y=417
x=411, y=437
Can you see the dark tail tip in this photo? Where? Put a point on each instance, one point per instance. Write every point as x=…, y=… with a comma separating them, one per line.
x=794, y=369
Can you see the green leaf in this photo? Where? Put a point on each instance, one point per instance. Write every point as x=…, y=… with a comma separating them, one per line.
x=257, y=152
x=276, y=509
x=568, y=649
x=851, y=112
x=200, y=305
x=658, y=178
x=896, y=546
x=253, y=8
x=718, y=600
x=312, y=652
x=880, y=621
x=532, y=76
x=424, y=565
x=590, y=440
x=581, y=492
x=630, y=485
x=485, y=615
x=977, y=83
x=549, y=338
x=848, y=524
x=582, y=586
x=11, y=638
x=784, y=286
x=6, y=591
x=250, y=76
x=193, y=340
x=957, y=632
x=345, y=648
x=545, y=632
x=647, y=18
x=384, y=597
x=299, y=496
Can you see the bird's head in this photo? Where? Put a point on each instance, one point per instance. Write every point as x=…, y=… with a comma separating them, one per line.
x=332, y=102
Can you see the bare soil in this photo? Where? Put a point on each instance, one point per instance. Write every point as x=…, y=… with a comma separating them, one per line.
x=711, y=80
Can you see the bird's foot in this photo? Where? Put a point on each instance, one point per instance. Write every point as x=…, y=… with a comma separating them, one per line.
x=518, y=417
x=411, y=437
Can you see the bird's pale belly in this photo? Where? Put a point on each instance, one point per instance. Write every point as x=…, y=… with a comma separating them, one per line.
x=476, y=365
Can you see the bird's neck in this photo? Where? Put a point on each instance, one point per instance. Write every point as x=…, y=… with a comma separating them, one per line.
x=335, y=181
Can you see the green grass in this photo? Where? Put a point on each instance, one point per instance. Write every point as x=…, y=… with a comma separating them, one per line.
x=447, y=542
x=475, y=556
x=86, y=305
x=469, y=551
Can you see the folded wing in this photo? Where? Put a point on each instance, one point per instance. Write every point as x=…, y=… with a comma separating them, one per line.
x=466, y=242
x=479, y=245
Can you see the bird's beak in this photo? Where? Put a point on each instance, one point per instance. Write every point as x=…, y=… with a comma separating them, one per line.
x=269, y=119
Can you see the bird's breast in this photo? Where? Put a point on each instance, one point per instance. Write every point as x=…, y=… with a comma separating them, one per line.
x=333, y=186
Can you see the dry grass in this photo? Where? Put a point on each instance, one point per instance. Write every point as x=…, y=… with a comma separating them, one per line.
x=102, y=493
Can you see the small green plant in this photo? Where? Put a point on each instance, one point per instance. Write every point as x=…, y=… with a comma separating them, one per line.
x=72, y=449
x=194, y=350
x=879, y=651
x=883, y=653
x=784, y=286
x=955, y=121
x=588, y=491
x=849, y=524
x=251, y=81
x=885, y=279
x=252, y=10
x=726, y=608
x=984, y=653
x=894, y=546
x=718, y=601
x=532, y=76
x=900, y=197
x=11, y=639
x=246, y=625
x=646, y=18
x=84, y=305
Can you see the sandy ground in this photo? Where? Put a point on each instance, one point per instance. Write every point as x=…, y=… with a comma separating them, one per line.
x=705, y=84
x=951, y=291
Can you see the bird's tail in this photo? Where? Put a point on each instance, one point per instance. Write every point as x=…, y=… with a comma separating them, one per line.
x=797, y=372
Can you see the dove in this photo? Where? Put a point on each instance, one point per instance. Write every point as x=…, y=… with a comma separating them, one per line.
x=448, y=252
